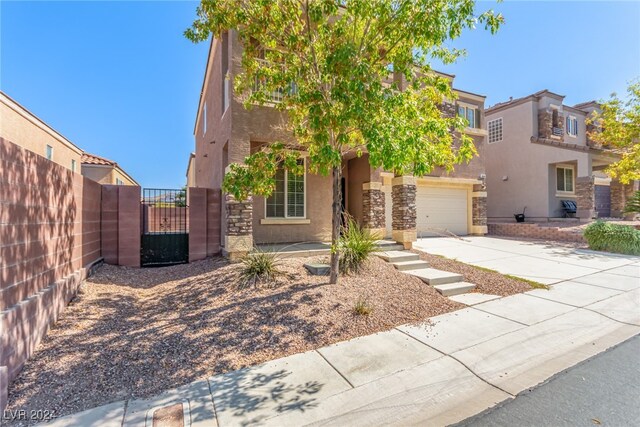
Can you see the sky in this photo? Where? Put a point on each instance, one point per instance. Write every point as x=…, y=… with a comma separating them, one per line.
x=119, y=80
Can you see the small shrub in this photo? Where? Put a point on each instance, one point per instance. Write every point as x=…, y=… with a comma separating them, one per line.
x=259, y=266
x=633, y=204
x=604, y=236
x=362, y=307
x=355, y=246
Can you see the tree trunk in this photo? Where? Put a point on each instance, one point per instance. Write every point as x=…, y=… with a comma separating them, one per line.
x=336, y=207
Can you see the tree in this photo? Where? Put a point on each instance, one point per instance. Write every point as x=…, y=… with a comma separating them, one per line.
x=633, y=204
x=617, y=126
x=332, y=63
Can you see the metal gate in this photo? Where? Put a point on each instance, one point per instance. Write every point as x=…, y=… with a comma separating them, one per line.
x=603, y=200
x=165, y=227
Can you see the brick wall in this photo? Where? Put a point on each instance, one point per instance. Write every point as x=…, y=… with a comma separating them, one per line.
x=534, y=231
x=49, y=238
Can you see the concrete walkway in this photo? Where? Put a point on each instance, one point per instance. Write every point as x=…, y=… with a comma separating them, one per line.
x=436, y=373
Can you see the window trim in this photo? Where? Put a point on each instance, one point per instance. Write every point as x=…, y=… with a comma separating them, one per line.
x=572, y=119
x=47, y=155
x=466, y=108
x=501, y=130
x=73, y=165
x=562, y=193
x=286, y=217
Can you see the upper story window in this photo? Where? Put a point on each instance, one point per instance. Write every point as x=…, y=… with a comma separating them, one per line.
x=565, y=179
x=572, y=126
x=49, y=152
x=494, y=128
x=204, y=119
x=469, y=113
x=73, y=165
x=224, y=90
x=288, y=198
x=119, y=181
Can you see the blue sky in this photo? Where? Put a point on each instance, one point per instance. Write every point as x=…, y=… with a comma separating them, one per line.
x=119, y=79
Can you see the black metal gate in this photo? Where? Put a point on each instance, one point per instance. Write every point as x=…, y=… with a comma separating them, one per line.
x=165, y=227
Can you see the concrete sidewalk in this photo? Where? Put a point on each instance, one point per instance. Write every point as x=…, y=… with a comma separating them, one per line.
x=436, y=373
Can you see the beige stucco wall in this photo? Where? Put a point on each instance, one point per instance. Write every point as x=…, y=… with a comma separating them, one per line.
x=530, y=180
x=24, y=129
x=99, y=173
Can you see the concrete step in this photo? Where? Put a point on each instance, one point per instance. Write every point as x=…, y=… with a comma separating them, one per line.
x=411, y=265
x=457, y=288
x=434, y=277
x=390, y=247
x=387, y=243
x=397, y=256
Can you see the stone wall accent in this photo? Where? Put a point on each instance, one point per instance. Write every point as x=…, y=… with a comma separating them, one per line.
x=373, y=214
x=534, y=231
x=239, y=227
x=403, y=212
x=448, y=109
x=545, y=124
x=617, y=198
x=585, y=197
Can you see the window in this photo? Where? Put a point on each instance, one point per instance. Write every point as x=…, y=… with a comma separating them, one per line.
x=119, y=181
x=564, y=179
x=494, y=128
x=49, y=152
x=225, y=71
x=204, y=120
x=468, y=113
x=288, y=197
x=73, y=165
x=572, y=126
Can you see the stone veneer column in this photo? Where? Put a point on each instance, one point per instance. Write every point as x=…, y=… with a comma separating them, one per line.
x=238, y=240
x=617, y=198
x=479, y=210
x=403, y=195
x=585, y=198
x=373, y=209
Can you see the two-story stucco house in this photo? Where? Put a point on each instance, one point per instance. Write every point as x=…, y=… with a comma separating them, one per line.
x=105, y=171
x=538, y=154
x=299, y=210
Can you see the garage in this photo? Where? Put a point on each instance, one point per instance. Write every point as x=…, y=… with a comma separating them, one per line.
x=441, y=208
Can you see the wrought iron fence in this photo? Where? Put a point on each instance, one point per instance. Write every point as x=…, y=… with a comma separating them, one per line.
x=165, y=227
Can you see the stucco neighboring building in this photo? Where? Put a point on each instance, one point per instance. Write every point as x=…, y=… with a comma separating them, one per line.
x=538, y=154
x=20, y=126
x=105, y=171
x=191, y=173
x=300, y=208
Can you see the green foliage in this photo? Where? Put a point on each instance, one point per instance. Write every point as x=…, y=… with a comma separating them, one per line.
x=259, y=267
x=362, y=307
x=618, y=128
x=354, y=246
x=181, y=197
x=633, y=204
x=604, y=236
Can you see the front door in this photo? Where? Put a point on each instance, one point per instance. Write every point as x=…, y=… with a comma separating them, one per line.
x=603, y=200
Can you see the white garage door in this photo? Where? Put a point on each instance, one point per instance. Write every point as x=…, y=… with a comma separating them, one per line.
x=440, y=209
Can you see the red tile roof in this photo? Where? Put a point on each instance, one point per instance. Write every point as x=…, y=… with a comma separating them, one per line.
x=92, y=159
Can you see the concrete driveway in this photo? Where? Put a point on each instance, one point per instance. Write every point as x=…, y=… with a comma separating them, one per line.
x=544, y=263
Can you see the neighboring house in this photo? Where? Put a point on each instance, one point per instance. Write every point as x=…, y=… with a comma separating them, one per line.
x=105, y=171
x=300, y=208
x=191, y=173
x=538, y=154
x=20, y=126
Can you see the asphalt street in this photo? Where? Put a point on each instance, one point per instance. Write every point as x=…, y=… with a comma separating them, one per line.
x=603, y=390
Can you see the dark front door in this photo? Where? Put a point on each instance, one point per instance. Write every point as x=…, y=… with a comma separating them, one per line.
x=603, y=200
x=165, y=229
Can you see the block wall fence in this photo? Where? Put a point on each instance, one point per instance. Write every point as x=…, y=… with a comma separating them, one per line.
x=55, y=227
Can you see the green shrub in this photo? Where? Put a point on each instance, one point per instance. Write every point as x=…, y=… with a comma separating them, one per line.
x=633, y=205
x=259, y=266
x=604, y=236
x=355, y=246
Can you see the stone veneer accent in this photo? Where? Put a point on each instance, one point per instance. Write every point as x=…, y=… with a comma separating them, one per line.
x=545, y=124
x=479, y=205
x=373, y=214
x=620, y=193
x=585, y=197
x=403, y=196
x=239, y=231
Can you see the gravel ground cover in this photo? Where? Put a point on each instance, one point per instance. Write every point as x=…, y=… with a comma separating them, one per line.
x=138, y=332
x=486, y=281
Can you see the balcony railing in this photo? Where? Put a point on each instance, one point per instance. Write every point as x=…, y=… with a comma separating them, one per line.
x=555, y=131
